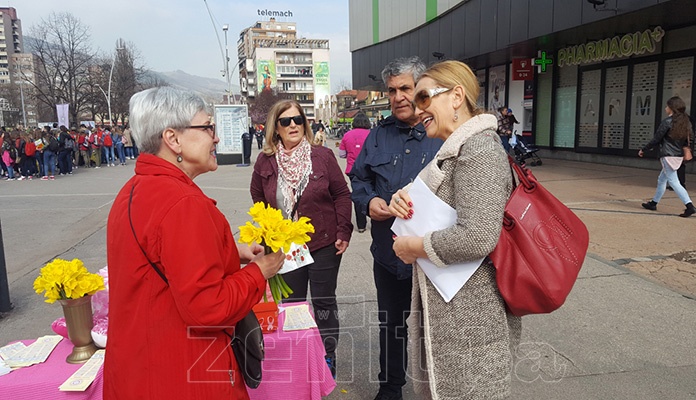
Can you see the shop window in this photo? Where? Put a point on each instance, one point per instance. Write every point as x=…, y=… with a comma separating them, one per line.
x=643, y=105
x=565, y=102
x=678, y=81
x=542, y=120
x=613, y=126
x=497, y=85
x=481, y=77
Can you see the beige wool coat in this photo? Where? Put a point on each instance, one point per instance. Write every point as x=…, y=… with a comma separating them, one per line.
x=462, y=349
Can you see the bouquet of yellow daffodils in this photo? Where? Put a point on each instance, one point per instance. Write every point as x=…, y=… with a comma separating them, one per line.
x=63, y=280
x=275, y=232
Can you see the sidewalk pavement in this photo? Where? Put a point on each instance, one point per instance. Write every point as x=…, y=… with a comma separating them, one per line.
x=620, y=335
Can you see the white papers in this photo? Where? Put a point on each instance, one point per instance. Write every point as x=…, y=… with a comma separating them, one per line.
x=4, y=368
x=430, y=213
x=35, y=353
x=298, y=318
x=11, y=349
x=83, y=377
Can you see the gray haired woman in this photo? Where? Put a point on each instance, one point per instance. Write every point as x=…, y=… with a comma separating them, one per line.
x=174, y=268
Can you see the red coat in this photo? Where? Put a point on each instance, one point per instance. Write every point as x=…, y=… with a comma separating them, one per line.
x=167, y=341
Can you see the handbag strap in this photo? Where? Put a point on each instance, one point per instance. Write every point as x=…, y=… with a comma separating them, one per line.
x=130, y=219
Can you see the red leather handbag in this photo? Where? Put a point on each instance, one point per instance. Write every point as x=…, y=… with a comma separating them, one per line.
x=541, y=248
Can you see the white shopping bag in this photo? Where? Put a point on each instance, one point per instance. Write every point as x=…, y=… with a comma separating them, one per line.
x=297, y=257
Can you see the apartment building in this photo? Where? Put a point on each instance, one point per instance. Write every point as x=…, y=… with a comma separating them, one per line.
x=10, y=40
x=272, y=57
x=22, y=74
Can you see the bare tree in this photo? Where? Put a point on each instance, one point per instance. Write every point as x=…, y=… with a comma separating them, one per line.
x=62, y=44
x=259, y=108
x=342, y=85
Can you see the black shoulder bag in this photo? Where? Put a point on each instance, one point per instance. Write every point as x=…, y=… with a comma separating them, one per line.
x=247, y=342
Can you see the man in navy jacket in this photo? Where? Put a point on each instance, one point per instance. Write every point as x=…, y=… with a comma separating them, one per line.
x=393, y=154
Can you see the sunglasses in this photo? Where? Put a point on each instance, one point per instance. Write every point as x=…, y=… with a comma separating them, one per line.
x=210, y=129
x=423, y=98
x=297, y=119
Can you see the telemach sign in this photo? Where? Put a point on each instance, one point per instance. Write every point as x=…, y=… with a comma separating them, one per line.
x=630, y=44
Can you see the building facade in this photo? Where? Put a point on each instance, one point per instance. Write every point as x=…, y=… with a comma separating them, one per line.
x=22, y=75
x=272, y=57
x=10, y=40
x=609, y=66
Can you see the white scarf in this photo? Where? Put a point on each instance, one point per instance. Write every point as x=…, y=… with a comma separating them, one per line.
x=294, y=168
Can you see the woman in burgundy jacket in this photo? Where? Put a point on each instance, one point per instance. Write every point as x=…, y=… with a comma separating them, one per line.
x=305, y=180
x=176, y=289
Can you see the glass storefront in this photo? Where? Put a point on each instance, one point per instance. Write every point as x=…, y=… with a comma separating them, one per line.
x=618, y=105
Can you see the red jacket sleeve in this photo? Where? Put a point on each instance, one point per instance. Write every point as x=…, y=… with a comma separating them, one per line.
x=201, y=262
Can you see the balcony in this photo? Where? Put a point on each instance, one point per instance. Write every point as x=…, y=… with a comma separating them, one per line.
x=301, y=76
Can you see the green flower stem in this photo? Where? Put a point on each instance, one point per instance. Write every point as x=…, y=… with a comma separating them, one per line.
x=279, y=288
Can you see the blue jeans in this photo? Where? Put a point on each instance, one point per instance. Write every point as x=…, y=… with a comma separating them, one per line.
x=129, y=151
x=121, y=153
x=10, y=172
x=669, y=175
x=109, y=154
x=49, y=163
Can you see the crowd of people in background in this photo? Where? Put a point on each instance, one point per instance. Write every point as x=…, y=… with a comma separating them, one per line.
x=53, y=150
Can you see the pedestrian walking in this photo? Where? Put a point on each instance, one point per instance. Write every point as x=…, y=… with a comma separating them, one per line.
x=673, y=134
x=350, y=147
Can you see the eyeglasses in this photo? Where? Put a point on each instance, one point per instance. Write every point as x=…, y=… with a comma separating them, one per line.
x=423, y=98
x=210, y=128
x=297, y=119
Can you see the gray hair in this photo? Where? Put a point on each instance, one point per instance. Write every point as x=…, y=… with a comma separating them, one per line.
x=400, y=66
x=154, y=110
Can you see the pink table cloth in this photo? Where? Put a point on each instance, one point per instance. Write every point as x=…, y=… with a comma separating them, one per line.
x=294, y=369
x=41, y=381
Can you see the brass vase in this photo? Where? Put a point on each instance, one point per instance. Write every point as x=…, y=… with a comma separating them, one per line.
x=78, y=320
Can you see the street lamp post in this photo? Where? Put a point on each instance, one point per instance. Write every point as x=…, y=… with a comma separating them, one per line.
x=225, y=28
x=108, y=100
x=21, y=95
x=108, y=92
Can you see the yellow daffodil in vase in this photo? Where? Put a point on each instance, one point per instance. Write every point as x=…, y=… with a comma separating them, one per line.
x=72, y=285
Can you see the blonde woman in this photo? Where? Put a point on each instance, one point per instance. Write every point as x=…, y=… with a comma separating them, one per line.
x=463, y=347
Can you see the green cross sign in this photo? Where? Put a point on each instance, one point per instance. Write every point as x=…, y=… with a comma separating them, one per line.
x=542, y=61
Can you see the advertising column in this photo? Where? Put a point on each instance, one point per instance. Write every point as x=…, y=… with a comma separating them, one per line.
x=231, y=122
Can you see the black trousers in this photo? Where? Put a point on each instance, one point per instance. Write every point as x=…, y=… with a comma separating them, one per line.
x=394, y=304
x=360, y=218
x=322, y=276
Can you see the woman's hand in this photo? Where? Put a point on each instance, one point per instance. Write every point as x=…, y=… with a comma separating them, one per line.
x=248, y=252
x=400, y=205
x=341, y=246
x=270, y=264
x=408, y=248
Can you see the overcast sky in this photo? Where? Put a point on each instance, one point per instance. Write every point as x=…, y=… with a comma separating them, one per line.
x=179, y=35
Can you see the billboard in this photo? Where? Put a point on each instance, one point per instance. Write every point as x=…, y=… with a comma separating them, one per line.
x=231, y=121
x=321, y=81
x=266, y=74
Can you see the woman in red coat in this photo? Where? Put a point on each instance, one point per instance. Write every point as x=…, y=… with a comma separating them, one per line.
x=167, y=334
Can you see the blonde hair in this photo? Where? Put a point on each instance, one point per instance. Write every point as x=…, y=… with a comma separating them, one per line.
x=453, y=73
x=272, y=137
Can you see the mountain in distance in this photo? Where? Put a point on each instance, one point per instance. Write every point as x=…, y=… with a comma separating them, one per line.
x=209, y=88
